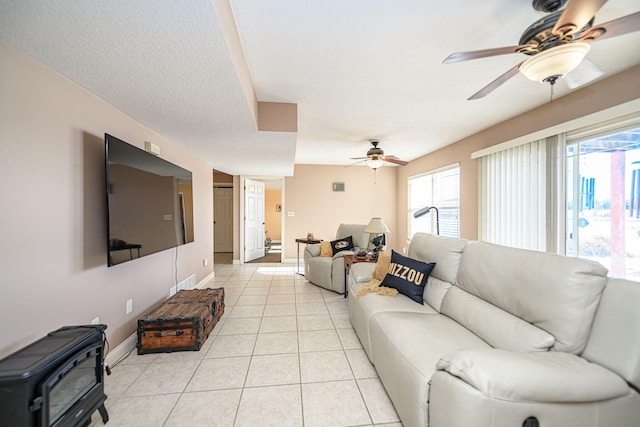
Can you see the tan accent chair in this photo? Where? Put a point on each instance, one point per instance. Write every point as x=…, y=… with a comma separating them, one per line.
x=328, y=272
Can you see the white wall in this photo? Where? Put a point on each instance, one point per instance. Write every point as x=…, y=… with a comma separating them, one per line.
x=53, y=269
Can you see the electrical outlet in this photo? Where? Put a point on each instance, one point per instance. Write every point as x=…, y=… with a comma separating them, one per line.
x=95, y=321
x=205, y=261
x=129, y=308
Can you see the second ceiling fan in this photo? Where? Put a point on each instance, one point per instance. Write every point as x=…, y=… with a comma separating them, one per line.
x=376, y=157
x=557, y=43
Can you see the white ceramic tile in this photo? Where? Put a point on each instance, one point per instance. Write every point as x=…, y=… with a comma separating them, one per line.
x=375, y=397
x=162, y=378
x=232, y=346
x=270, y=406
x=335, y=403
x=341, y=320
x=281, y=299
x=241, y=311
x=276, y=343
x=321, y=340
x=349, y=339
x=279, y=310
x=252, y=300
x=219, y=374
x=338, y=307
x=139, y=411
x=309, y=297
x=278, y=324
x=324, y=366
x=258, y=290
x=241, y=326
x=273, y=370
x=205, y=409
x=360, y=364
x=315, y=322
x=122, y=376
x=311, y=308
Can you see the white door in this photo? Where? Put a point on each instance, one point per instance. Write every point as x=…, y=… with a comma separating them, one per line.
x=254, y=220
x=222, y=219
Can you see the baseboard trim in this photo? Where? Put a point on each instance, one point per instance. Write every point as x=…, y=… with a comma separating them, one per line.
x=122, y=350
x=202, y=284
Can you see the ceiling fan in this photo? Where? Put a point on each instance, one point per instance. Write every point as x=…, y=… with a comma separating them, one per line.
x=556, y=43
x=376, y=157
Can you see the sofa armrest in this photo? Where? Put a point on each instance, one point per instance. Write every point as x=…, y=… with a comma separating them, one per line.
x=312, y=250
x=535, y=377
x=361, y=272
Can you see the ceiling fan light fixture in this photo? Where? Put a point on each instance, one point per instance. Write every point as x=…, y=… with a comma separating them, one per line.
x=375, y=163
x=555, y=63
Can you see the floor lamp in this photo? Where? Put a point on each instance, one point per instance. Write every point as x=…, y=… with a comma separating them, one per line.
x=424, y=211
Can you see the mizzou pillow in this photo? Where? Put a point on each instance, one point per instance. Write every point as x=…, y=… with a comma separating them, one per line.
x=407, y=275
x=345, y=244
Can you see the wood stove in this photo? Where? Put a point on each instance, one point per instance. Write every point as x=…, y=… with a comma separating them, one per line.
x=57, y=381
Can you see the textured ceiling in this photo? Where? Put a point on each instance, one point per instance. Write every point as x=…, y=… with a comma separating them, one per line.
x=357, y=69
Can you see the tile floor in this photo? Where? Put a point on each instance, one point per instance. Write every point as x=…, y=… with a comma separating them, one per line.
x=283, y=354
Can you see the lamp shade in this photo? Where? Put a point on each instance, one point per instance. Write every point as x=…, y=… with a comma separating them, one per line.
x=375, y=163
x=376, y=225
x=552, y=64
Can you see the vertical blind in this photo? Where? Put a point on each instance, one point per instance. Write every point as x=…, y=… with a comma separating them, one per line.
x=518, y=195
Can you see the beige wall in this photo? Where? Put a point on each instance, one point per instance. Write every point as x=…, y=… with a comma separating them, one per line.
x=319, y=210
x=601, y=101
x=273, y=218
x=53, y=222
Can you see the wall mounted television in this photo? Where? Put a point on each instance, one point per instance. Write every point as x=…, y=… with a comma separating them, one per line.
x=149, y=203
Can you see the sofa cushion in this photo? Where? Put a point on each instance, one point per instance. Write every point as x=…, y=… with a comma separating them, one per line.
x=534, y=377
x=407, y=275
x=344, y=244
x=555, y=293
x=406, y=348
x=362, y=309
x=446, y=252
x=494, y=325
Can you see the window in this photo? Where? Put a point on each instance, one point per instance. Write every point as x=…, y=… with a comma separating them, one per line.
x=603, y=197
x=441, y=189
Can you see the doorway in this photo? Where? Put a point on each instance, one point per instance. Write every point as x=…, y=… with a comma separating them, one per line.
x=272, y=219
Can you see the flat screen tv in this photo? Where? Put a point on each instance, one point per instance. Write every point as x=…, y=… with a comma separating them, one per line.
x=149, y=203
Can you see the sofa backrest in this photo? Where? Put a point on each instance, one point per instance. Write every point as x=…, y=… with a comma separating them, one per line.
x=615, y=337
x=356, y=231
x=446, y=252
x=556, y=294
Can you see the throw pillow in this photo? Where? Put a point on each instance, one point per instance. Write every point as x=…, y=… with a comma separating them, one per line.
x=407, y=275
x=344, y=244
x=325, y=248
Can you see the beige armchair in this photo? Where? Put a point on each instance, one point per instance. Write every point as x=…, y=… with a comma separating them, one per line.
x=328, y=271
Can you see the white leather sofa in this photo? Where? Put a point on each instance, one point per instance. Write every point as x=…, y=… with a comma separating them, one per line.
x=506, y=337
x=329, y=272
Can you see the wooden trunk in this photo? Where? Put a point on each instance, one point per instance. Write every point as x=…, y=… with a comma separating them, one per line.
x=183, y=322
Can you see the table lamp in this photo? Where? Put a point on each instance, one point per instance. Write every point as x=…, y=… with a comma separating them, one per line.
x=377, y=227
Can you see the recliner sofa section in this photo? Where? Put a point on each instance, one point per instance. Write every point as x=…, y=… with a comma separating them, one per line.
x=505, y=335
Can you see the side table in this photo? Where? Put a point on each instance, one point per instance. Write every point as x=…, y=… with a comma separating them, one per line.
x=349, y=260
x=306, y=242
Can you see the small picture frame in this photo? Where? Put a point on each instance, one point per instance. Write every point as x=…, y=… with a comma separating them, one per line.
x=338, y=186
x=278, y=208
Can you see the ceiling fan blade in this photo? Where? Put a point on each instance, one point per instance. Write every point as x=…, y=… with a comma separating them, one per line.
x=395, y=160
x=465, y=56
x=359, y=158
x=496, y=83
x=576, y=15
x=585, y=72
x=359, y=161
x=616, y=27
